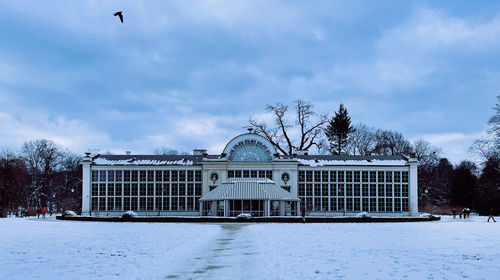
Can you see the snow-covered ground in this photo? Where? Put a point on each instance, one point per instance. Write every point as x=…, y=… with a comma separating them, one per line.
x=50, y=249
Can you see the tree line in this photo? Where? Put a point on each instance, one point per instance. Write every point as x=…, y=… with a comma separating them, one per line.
x=41, y=174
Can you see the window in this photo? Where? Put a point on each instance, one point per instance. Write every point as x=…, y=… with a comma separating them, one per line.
x=373, y=190
x=237, y=174
x=142, y=175
x=365, y=176
x=340, y=204
x=357, y=205
x=357, y=189
x=95, y=204
x=269, y=174
x=405, y=176
x=317, y=176
x=348, y=176
x=182, y=175
x=142, y=191
x=373, y=176
x=126, y=175
x=388, y=204
x=118, y=204
x=333, y=176
x=317, y=189
x=341, y=176
x=126, y=203
x=102, y=204
x=159, y=174
x=111, y=190
x=365, y=190
x=134, y=175
x=404, y=203
x=324, y=176
x=286, y=188
x=95, y=190
x=197, y=175
x=175, y=189
x=309, y=189
x=404, y=190
x=340, y=190
x=190, y=189
x=397, y=176
x=111, y=176
x=388, y=190
x=149, y=203
x=302, y=190
x=197, y=189
x=126, y=189
x=142, y=203
x=118, y=189
x=397, y=190
x=182, y=189
x=349, y=205
x=397, y=204
x=388, y=176
x=133, y=203
x=348, y=191
x=246, y=173
x=381, y=176
x=134, y=189
x=190, y=175
x=175, y=175
x=373, y=204
x=333, y=190
x=356, y=176
x=381, y=190
x=333, y=204
x=324, y=190
x=95, y=176
x=102, y=189
x=253, y=173
x=230, y=173
x=102, y=176
x=118, y=177
x=381, y=204
x=151, y=175
x=151, y=189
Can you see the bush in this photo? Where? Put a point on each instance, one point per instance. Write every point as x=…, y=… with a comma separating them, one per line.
x=363, y=215
x=69, y=213
x=129, y=215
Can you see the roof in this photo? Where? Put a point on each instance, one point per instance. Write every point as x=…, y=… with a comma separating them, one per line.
x=305, y=160
x=249, y=189
x=329, y=160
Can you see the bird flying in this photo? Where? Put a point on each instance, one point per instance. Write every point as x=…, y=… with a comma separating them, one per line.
x=120, y=15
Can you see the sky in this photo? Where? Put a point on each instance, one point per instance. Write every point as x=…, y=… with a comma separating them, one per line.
x=189, y=74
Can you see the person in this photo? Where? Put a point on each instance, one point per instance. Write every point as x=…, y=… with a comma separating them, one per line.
x=454, y=213
x=467, y=213
x=462, y=213
x=491, y=215
x=38, y=212
x=44, y=211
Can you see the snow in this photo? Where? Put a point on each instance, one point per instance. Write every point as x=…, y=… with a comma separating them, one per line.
x=51, y=249
x=104, y=161
x=375, y=162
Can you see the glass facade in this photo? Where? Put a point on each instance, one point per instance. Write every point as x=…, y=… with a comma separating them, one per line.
x=146, y=190
x=353, y=190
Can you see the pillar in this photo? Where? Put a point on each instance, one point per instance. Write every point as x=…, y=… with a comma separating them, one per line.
x=86, y=178
x=413, y=187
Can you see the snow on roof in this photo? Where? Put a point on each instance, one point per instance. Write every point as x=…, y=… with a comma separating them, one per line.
x=328, y=160
x=185, y=160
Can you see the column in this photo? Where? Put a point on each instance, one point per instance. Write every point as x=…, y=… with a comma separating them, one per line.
x=413, y=187
x=86, y=177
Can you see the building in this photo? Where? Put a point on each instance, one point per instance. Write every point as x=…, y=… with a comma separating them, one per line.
x=249, y=176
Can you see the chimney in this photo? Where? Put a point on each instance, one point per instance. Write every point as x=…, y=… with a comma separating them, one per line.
x=128, y=153
x=199, y=152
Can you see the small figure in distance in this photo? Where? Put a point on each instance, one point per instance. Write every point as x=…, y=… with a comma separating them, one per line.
x=491, y=215
x=120, y=15
x=454, y=213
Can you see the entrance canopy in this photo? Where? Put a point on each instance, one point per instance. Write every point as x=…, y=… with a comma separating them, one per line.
x=249, y=189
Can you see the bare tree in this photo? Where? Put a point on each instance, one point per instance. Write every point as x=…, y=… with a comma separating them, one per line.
x=391, y=143
x=165, y=151
x=361, y=140
x=426, y=154
x=42, y=158
x=279, y=134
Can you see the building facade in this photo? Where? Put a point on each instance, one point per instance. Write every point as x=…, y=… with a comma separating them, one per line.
x=249, y=176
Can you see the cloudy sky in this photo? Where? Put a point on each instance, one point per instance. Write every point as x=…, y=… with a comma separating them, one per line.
x=189, y=74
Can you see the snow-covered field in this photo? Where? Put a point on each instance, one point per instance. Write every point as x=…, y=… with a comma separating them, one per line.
x=50, y=249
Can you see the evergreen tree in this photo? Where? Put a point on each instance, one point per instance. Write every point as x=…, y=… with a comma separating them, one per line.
x=488, y=193
x=338, y=130
x=464, y=184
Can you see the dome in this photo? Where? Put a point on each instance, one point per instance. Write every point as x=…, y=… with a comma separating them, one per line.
x=249, y=147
